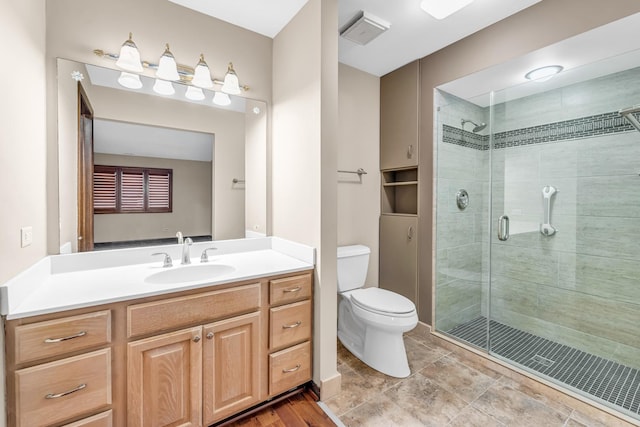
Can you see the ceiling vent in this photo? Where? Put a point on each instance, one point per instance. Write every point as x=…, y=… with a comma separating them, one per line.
x=363, y=28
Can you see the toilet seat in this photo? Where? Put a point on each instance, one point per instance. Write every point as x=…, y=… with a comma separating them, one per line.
x=382, y=301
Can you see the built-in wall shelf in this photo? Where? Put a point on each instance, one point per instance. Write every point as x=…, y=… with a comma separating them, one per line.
x=400, y=191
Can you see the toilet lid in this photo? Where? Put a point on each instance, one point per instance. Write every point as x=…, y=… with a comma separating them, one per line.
x=382, y=300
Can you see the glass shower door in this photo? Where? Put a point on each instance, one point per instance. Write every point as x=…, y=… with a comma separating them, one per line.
x=565, y=242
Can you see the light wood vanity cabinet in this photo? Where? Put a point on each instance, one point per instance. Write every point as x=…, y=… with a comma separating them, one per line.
x=290, y=327
x=190, y=359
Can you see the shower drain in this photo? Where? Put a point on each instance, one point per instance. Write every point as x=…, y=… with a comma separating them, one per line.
x=543, y=360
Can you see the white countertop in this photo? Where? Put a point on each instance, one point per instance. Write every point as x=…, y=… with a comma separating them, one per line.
x=61, y=283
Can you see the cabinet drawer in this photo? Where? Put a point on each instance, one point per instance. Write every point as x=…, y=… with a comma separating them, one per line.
x=289, y=368
x=105, y=419
x=60, y=336
x=50, y=393
x=179, y=312
x=289, y=289
x=289, y=324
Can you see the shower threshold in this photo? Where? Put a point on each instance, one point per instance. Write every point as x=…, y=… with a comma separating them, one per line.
x=603, y=379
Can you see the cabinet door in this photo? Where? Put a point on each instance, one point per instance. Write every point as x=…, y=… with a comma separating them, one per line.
x=231, y=366
x=164, y=380
x=399, y=254
x=399, y=109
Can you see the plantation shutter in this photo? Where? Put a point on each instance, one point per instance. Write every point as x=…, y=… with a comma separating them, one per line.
x=132, y=190
x=159, y=190
x=105, y=183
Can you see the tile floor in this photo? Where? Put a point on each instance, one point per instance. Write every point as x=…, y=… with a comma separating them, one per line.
x=450, y=386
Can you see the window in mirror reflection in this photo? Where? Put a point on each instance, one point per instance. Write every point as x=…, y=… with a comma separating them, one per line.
x=131, y=190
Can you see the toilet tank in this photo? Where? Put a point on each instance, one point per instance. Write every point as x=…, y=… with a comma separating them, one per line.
x=353, y=262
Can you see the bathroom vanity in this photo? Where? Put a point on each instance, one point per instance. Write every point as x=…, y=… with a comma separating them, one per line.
x=189, y=353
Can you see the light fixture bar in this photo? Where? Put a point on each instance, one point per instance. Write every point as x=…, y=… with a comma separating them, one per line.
x=185, y=72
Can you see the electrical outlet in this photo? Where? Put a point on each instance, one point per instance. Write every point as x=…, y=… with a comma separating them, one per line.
x=26, y=236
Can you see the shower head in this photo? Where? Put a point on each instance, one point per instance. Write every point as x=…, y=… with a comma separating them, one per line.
x=477, y=128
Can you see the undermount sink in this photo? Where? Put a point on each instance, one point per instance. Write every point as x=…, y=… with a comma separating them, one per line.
x=189, y=273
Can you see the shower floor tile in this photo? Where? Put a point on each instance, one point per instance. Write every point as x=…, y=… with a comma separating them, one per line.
x=601, y=378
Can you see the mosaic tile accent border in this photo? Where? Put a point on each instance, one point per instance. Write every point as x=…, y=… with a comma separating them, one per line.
x=583, y=127
x=452, y=135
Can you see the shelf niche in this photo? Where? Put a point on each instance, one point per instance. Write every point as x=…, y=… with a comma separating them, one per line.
x=400, y=191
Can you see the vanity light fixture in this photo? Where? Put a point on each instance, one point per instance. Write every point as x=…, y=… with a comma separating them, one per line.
x=129, y=58
x=130, y=80
x=167, y=67
x=231, y=85
x=545, y=73
x=202, y=75
x=194, y=93
x=440, y=9
x=221, y=98
x=163, y=87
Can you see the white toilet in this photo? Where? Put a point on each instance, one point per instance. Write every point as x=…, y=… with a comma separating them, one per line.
x=371, y=321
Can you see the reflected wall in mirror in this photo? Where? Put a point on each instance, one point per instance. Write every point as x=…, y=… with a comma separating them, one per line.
x=225, y=199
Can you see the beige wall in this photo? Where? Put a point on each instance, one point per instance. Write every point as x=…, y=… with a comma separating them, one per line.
x=23, y=155
x=359, y=147
x=543, y=24
x=191, y=210
x=305, y=70
x=76, y=27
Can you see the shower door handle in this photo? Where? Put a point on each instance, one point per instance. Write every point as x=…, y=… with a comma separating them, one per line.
x=503, y=228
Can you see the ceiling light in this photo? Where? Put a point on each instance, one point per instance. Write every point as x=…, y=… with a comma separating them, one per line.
x=163, y=87
x=129, y=80
x=129, y=58
x=231, y=85
x=363, y=28
x=167, y=67
x=543, y=74
x=202, y=75
x=440, y=9
x=194, y=93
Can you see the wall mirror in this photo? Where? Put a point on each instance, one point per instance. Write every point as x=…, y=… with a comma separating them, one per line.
x=217, y=156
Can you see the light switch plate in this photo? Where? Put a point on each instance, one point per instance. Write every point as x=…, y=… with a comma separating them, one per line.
x=26, y=236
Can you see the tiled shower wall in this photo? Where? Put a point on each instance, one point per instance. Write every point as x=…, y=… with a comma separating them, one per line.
x=462, y=238
x=580, y=287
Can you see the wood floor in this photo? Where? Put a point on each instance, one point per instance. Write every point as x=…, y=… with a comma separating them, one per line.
x=298, y=410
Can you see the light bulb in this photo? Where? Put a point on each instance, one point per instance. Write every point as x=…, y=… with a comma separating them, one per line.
x=129, y=58
x=163, y=87
x=167, y=67
x=130, y=81
x=221, y=98
x=194, y=93
x=202, y=75
x=231, y=85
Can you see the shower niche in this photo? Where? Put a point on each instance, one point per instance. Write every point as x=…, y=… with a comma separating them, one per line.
x=559, y=297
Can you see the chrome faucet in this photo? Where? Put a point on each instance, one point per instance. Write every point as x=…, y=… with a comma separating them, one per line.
x=186, y=257
x=179, y=236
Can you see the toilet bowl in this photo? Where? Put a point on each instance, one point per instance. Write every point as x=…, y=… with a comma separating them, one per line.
x=371, y=321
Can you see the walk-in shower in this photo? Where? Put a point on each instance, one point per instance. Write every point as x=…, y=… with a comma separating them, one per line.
x=541, y=268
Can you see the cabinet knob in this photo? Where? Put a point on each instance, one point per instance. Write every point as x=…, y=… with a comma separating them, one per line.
x=410, y=152
x=196, y=338
x=410, y=233
x=210, y=335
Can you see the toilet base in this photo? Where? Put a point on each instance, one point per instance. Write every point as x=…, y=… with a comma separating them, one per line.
x=382, y=348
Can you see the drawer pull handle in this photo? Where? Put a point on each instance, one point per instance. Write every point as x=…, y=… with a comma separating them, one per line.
x=293, y=325
x=70, y=337
x=296, y=289
x=66, y=393
x=286, y=371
